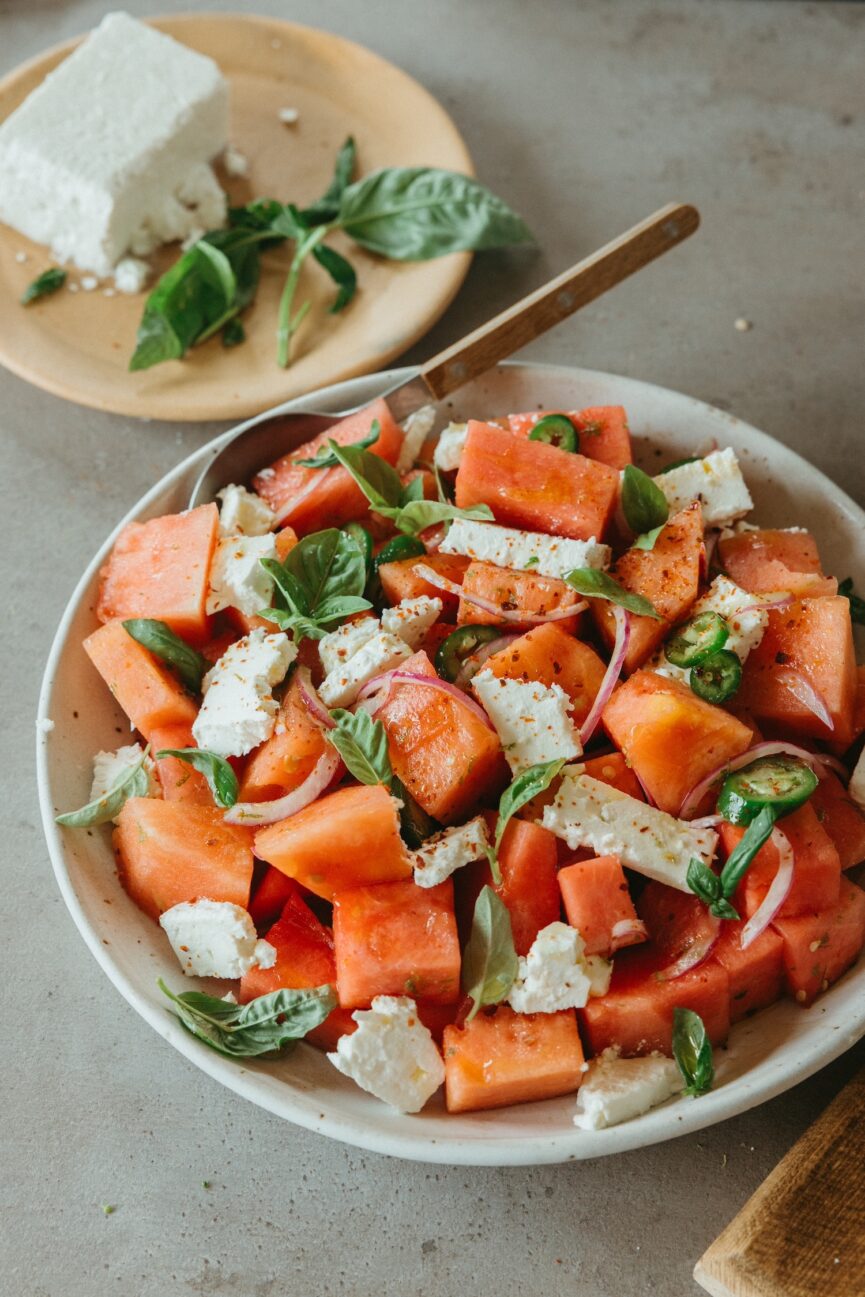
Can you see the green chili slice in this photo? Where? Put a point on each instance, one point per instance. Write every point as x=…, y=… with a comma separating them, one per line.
x=717, y=677
x=556, y=430
x=781, y=782
x=697, y=640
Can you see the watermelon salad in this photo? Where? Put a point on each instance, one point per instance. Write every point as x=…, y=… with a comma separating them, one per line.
x=485, y=760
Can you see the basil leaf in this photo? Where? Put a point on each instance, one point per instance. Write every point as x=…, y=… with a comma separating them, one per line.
x=160, y=640
x=706, y=884
x=135, y=782
x=221, y=779
x=594, y=583
x=326, y=208
x=489, y=959
x=857, y=605
x=44, y=285
x=327, y=459
x=692, y=1051
x=643, y=502
x=295, y=624
x=527, y=785
x=341, y=272
x=233, y=334
x=647, y=540
x=362, y=744
x=413, y=491
x=340, y=606
x=377, y=479
x=263, y=1026
x=417, y=515
x=415, y=213
x=320, y=581
x=740, y=858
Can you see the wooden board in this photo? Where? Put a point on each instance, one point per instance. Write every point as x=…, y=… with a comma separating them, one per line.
x=78, y=345
x=802, y=1234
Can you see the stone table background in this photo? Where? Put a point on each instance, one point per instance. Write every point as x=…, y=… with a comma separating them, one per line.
x=586, y=115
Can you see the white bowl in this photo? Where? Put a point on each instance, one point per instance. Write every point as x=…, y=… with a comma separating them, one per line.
x=766, y=1055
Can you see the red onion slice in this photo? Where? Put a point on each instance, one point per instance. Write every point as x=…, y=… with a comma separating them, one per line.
x=310, y=699
x=397, y=677
x=514, y=615
x=374, y=694
x=611, y=676
x=319, y=778
x=783, y=601
x=320, y=475
x=695, y=955
x=473, y=663
x=627, y=932
x=777, y=893
x=802, y=689
x=768, y=749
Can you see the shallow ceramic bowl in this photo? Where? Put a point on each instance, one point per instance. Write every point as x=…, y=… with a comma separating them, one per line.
x=766, y=1055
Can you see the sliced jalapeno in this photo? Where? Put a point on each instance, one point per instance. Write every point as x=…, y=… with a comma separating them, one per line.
x=557, y=430
x=363, y=540
x=460, y=645
x=697, y=640
x=717, y=677
x=781, y=782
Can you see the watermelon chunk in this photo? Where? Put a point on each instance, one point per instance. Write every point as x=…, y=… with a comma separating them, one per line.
x=506, y=1057
x=598, y=904
x=818, y=948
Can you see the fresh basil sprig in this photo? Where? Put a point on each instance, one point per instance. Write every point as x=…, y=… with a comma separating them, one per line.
x=163, y=643
x=264, y=1026
x=319, y=582
x=135, y=782
x=643, y=502
x=327, y=459
x=595, y=584
x=692, y=1051
x=715, y=890
x=489, y=961
x=362, y=744
x=857, y=605
x=43, y=285
x=221, y=779
x=706, y=884
x=528, y=784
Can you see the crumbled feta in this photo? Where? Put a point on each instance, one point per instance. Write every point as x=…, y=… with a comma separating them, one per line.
x=215, y=939
x=89, y=283
x=553, y=556
x=110, y=152
x=437, y=858
x=415, y=431
x=391, y=1054
x=715, y=481
x=44, y=724
x=556, y=974
x=235, y=162
x=381, y=652
x=243, y=513
x=856, y=786
x=110, y=767
x=747, y=624
x=411, y=619
x=337, y=647
x=617, y=1089
x=237, y=579
x=449, y=447
x=130, y=275
x=531, y=719
x=588, y=813
x=288, y=116
x=239, y=711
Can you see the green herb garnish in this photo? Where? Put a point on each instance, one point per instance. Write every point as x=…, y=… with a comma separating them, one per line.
x=162, y=642
x=644, y=506
x=362, y=744
x=135, y=782
x=319, y=582
x=264, y=1026
x=595, y=584
x=44, y=285
x=489, y=960
x=692, y=1051
x=528, y=784
x=221, y=779
x=327, y=459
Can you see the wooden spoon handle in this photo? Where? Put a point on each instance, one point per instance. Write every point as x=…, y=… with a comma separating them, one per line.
x=555, y=301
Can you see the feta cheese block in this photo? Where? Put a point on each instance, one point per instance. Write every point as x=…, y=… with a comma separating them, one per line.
x=618, y=1089
x=449, y=447
x=588, y=813
x=215, y=939
x=526, y=551
x=747, y=624
x=239, y=710
x=715, y=481
x=411, y=619
x=531, y=719
x=243, y=513
x=441, y=855
x=237, y=579
x=339, y=646
x=381, y=652
x=556, y=974
x=111, y=152
x=415, y=431
x=110, y=767
x=391, y=1054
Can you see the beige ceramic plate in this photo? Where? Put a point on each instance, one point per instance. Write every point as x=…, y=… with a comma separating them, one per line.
x=78, y=345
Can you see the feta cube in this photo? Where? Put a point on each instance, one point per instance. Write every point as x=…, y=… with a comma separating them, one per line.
x=337, y=647
x=411, y=619
x=617, y=1089
x=525, y=551
x=715, y=481
x=235, y=162
x=588, y=813
x=391, y=1054
x=239, y=711
x=437, y=858
x=237, y=579
x=747, y=624
x=415, y=431
x=215, y=939
x=449, y=447
x=856, y=786
x=381, y=652
x=556, y=974
x=243, y=513
x=110, y=767
x=130, y=275
x=531, y=719
x=111, y=151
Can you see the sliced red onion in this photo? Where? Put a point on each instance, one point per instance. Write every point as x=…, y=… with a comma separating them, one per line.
x=283, y=514
x=802, y=689
x=765, y=605
x=310, y=699
x=611, y=676
x=627, y=932
x=319, y=778
x=375, y=693
x=514, y=615
x=768, y=749
x=475, y=661
x=777, y=893
x=696, y=954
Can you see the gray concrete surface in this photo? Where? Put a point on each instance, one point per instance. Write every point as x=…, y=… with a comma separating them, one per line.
x=587, y=116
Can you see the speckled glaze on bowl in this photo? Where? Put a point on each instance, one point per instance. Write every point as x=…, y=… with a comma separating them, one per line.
x=766, y=1055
